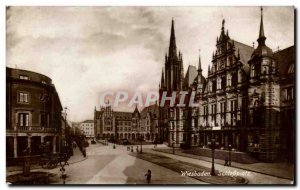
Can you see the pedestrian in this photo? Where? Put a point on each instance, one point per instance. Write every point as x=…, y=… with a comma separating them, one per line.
x=137, y=149
x=83, y=151
x=148, y=176
x=226, y=162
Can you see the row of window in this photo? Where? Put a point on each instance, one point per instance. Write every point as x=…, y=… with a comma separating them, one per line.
x=123, y=123
x=23, y=119
x=221, y=83
x=222, y=105
x=124, y=128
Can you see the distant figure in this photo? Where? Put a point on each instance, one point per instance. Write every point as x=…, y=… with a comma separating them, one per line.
x=131, y=148
x=148, y=176
x=137, y=149
x=84, y=151
x=226, y=163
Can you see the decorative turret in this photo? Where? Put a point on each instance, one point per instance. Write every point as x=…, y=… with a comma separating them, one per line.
x=262, y=63
x=262, y=49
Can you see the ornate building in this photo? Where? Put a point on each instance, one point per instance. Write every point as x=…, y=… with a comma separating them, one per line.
x=115, y=125
x=244, y=101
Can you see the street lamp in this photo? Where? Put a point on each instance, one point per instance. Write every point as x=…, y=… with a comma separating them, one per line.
x=212, y=172
x=229, y=160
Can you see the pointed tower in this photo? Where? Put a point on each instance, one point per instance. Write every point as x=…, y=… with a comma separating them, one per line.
x=261, y=37
x=162, y=81
x=262, y=63
x=172, y=47
x=200, y=79
x=199, y=65
x=173, y=64
x=263, y=108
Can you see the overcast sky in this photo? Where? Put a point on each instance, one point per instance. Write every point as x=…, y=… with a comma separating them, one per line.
x=88, y=50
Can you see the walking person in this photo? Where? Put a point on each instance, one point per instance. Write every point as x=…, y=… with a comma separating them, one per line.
x=148, y=176
x=137, y=149
x=84, y=151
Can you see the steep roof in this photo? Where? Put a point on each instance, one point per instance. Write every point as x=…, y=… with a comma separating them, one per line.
x=286, y=61
x=245, y=51
x=190, y=76
x=88, y=121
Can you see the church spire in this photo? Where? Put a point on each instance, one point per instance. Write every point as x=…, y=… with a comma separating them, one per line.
x=199, y=64
x=261, y=38
x=162, y=82
x=172, y=47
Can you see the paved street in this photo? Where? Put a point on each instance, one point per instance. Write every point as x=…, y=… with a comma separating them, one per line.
x=105, y=165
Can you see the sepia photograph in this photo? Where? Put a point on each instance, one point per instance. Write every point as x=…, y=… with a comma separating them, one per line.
x=150, y=95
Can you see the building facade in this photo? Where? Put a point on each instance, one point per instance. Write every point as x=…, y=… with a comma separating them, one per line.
x=115, y=125
x=87, y=128
x=33, y=113
x=243, y=102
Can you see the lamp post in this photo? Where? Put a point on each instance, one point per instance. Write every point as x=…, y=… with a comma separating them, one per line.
x=212, y=172
x=229, y=159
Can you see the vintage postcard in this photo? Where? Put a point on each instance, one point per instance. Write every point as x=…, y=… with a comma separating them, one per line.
x=150, y=95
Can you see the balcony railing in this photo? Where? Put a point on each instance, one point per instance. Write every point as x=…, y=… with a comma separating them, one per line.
x=33, y=129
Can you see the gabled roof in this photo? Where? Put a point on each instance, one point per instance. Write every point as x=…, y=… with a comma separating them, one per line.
x=286, y=61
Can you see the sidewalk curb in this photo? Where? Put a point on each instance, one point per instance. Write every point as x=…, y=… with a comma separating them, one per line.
x=230, y=166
